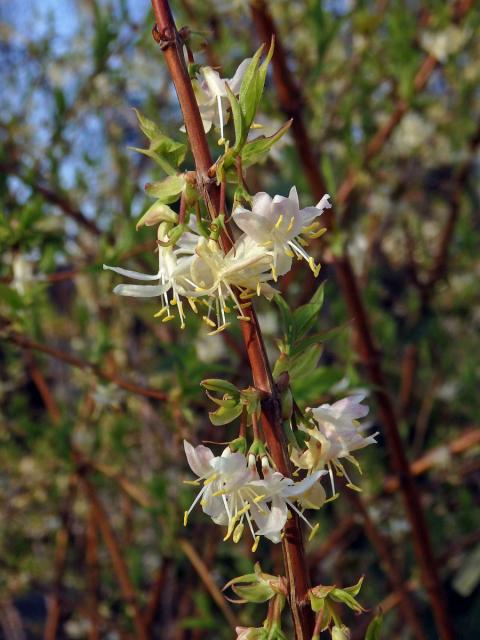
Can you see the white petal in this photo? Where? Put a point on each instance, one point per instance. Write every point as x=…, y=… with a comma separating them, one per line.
x=324, y=203
x=136, y=275
x=254, y=225
x=304, y=485
x=293, y=195
x=272, y=525
x=235, y=82
x=141, y=290
x=215, y=84
x=262, y=204
x=198, y=458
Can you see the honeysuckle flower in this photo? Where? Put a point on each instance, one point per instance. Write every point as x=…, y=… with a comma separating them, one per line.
x=276, y=223
x=281, y=491
x=216, y=276
x=227, y=495
x=170, y=276
x=233, y=493
x=336, y=434
x=211, y=94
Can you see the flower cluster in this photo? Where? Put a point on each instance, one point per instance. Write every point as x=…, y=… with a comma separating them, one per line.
x=196, y=269
x=233, y=493
x=333, y=433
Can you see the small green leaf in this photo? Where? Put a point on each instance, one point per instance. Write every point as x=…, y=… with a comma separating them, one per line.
x=375, y=628
x=167, y=190
x=222, y=386
x=258, y=149
x=225, y=415
x=305, y=316
x=238, y=121
x=248, y=89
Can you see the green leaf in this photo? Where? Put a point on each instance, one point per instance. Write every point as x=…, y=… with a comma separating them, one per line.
x=225, y=415
x=238, y=121
x=162, y=149
x=305, y=316
x=374, y=628
x=285, y=316
x=258, y=149
x=248, y=89
x=222, y=386
x=304, y=363
x=167, y=190
x=11, y=297
x=341, y=595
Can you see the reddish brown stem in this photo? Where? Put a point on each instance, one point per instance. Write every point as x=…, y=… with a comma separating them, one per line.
x=293, y=546
x=118, y=562
x=26, y=343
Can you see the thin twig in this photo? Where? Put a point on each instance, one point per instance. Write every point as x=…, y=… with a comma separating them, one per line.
x=25, y=343
x=205, y=576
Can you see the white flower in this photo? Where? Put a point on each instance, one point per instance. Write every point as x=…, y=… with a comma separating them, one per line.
x=227, y=495
x=442, y=44
x=278, y=490
x=22, y=273
x=276, y=224
x=216, y=275
x=233, y=493
x=170, y=276
x=336, y=434
x=211, y=94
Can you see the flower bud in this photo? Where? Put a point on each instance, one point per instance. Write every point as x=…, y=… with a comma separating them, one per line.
x=340, y=633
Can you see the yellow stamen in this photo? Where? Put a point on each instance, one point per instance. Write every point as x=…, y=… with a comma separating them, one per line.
x=193, y=483
x=208, y=321
x=259, y=499
x=160, y=313
x=318, y=234
x=290, y=225
x=314, y=531
x=289, y=253
x=244, y=318
x=255, y=544
x=185, y=518
x=211, y=479
x=173, y=301
x=237, y=534
x=192, y=304
x=279, y=221
x=168, y=318
x=219, y=329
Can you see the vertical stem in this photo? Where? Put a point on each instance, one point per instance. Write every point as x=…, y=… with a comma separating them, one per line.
x=114, y=549
x=293, y=545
